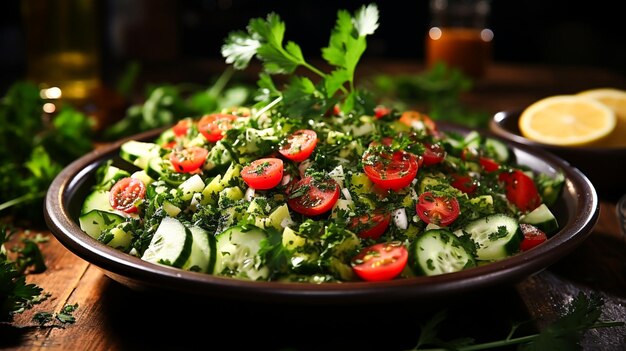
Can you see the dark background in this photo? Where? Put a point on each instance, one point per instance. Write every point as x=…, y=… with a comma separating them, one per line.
x=580, y=33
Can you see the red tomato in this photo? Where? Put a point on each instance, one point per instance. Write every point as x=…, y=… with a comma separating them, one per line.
x=381, y=111
x=394, y=171
x=125, y=193
x=312, y=197
x=299, y=145
x=169, y=145
x=465, y=183
x=533, y=236
x=215, y=125
x=264, y=173
x=371, y=225
x=189, y=159
x=439, y=210
x=521, y=190
x=433, y=154
x=181, y=127
x=379, y=262
x=413, y=118
x=488, y=164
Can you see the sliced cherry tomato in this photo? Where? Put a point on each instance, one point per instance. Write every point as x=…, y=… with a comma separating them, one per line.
x=433, y=154
x=439, y=210
x=380, y=262
x=169, y=145
x=299, y=145
x=214, y=126
x=393, y=171
x=521, y=190
x=188, y=159
x=465, y=183
x=416, y=120
x=533, y=236
x=181, y=127
x=381, y=111
x=488, y=164
x=371, y=225
x=125, y=193
x=264, y=173
x=312, y=197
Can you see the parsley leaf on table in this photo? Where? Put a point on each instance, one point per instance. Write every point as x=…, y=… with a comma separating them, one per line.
x=15, y=294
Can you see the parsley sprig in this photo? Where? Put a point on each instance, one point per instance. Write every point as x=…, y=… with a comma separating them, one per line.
x=264, y=39
x=565, y=333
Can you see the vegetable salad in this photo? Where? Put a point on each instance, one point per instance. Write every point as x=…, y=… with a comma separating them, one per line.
x=334, y=198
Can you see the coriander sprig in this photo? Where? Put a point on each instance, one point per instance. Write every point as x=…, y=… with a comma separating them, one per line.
x=264, y=39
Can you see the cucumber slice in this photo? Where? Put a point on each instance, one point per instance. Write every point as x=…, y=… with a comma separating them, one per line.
x=170, y=245
x=237, y=251
x=438, y=251
x=542, y=218
x=496, y=236
x=202, y=257
x=139, y=152
x=97, y=200
x=497, y=149
x=96, y=221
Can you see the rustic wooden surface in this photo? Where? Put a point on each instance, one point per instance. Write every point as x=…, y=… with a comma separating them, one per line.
x=113, y=317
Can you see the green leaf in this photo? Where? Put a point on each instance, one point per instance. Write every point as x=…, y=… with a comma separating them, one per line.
x=335, y=80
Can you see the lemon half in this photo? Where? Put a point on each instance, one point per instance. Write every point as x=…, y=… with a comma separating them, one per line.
x=567, y=120
x=615, y=99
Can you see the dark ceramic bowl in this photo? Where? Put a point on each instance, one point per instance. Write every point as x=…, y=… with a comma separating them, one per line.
x=603, y=166
x=577, y=211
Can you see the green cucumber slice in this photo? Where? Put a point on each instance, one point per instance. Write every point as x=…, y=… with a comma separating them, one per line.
x=238, y=253
x=438, y=251
x=170, y=245
x=496, y=236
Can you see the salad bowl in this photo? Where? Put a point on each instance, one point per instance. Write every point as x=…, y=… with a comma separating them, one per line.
x=577, y=211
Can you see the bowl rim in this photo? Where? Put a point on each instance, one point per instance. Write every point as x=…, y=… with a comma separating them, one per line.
x=142, y=275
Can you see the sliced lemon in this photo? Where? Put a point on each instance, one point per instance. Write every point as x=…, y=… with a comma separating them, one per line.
x=567, y=120
x=615, y=99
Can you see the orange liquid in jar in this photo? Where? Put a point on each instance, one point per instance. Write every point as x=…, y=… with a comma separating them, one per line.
x=468, y=49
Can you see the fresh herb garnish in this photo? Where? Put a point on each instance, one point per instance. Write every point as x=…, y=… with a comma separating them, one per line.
x=565, y=333
x=264, y=38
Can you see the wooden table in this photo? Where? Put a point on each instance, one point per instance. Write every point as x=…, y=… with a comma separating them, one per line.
x=113, y=317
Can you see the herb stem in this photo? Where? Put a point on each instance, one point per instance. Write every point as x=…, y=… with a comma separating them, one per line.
x=21, y=199
x=324, y=76
x=269, y=106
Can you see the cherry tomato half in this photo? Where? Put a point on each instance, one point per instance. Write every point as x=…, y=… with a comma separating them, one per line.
x=312, y=197
x=264, y=173
x=370, y=225
x=188, y=159
x=520, y=190
x=439, y=210
x=381, y=111
x=393, y=171
x=125, y=193
x=488, y=164
x=433, y=154
x=215, y=125
x=533, y=236
x=181, y=127
x=420, y=121
x=299, y=145
x=465, y=183
x=380, y=262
